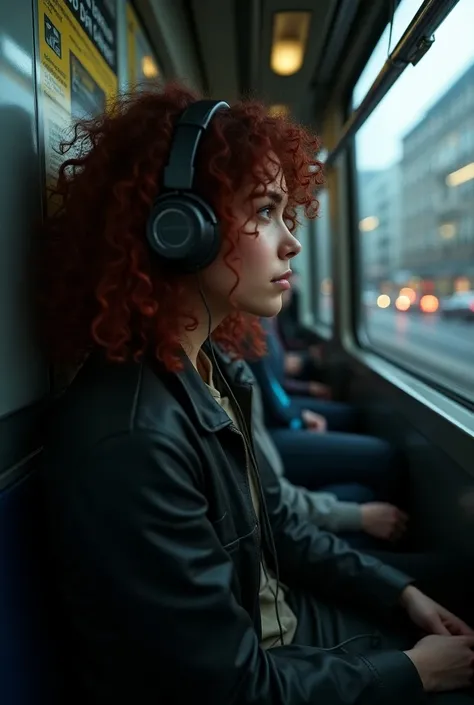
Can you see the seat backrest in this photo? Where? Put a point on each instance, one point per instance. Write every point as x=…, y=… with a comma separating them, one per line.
x=27, y=675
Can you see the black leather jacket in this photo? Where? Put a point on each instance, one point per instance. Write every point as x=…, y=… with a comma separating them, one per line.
x=157, y=548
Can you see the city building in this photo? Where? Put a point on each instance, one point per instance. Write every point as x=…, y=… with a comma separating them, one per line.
x=437, y=203
x=380, y=224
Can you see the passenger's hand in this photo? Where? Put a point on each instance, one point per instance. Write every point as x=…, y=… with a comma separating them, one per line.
x=430, y=616
x=444, y=662
x=314, y=422
x=383, y=521
x=293, y=364
x=322, y=391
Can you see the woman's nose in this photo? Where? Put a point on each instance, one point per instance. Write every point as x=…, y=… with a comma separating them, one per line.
x=292, y=246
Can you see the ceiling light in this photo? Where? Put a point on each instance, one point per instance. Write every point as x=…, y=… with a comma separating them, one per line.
x=287, y=56
x=290, y=34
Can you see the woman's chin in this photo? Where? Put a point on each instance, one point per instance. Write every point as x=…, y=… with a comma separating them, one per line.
x=265, y=309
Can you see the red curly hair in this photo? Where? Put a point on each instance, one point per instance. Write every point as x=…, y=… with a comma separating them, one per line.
x=100, y=284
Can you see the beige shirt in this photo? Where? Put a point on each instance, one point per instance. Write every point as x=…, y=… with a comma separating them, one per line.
x=268, y=597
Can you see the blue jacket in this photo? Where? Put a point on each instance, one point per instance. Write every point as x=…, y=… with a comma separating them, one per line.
x=269, y=372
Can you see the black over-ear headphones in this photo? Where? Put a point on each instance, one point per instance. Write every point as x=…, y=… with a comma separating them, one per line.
x=182, y=228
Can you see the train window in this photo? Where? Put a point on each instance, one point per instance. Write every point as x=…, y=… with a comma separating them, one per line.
x=415, y=185
x=322, y=296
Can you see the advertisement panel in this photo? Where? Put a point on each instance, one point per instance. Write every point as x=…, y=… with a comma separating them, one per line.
x=77, y=67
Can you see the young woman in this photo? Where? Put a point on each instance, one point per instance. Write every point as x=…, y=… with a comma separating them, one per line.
x=177, y=221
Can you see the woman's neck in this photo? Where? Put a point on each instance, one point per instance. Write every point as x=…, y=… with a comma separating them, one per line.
x=192, y=341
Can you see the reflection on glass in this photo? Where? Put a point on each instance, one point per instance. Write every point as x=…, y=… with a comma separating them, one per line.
x=142, y=65
x=415, y=183
x=323, y=305
x=149, y=67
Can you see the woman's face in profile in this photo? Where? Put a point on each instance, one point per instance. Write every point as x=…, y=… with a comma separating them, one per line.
x=262, y=256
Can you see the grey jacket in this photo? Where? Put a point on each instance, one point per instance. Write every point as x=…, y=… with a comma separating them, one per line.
x=321, y=508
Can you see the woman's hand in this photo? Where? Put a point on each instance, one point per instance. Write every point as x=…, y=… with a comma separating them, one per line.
x=430, y=616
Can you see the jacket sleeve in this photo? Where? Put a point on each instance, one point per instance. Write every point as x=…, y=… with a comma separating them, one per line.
x=297, y=386
x=162, y=583
x=320, y=561
x=322, y=509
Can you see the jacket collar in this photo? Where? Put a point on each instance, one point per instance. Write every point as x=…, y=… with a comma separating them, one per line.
x=206, y=410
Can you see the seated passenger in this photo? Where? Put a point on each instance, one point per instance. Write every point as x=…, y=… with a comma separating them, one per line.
x=168, y=533
x=347, y=509
x=288, y=366
x=303, y=360
x=283, y=410
x=314, y=458
x=292, y=335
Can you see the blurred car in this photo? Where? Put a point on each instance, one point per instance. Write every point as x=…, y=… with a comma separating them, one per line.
x=459, y=305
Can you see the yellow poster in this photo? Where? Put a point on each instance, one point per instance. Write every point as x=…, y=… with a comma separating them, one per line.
x=142, y=65
x=77, y=65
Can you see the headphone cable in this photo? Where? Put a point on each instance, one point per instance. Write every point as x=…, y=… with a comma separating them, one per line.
x=267, y=534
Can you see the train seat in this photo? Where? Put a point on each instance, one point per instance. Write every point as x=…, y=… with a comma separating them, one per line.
x=27, y=675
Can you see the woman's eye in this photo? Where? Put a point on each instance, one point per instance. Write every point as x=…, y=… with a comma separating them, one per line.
x=266, y=211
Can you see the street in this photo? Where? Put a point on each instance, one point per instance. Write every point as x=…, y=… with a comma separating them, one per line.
x=442, y=348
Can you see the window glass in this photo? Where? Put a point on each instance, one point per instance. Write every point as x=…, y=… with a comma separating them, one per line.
x=323, y=295
x=415, y=186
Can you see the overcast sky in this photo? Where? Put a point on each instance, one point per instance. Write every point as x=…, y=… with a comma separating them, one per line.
x=419, y=87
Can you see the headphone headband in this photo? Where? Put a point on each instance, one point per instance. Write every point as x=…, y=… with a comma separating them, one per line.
x=179, y=172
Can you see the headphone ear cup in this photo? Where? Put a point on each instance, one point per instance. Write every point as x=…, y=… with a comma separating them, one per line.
x=183, y=230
